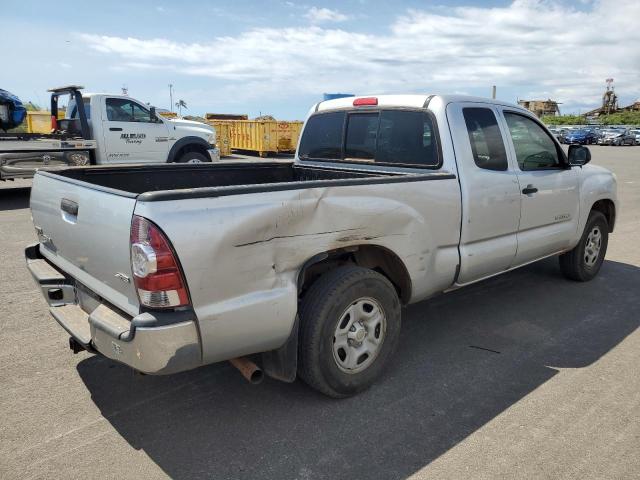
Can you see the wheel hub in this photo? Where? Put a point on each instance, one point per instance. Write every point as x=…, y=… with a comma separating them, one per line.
x=359, y=335
x=357, y=332
x=593, y=246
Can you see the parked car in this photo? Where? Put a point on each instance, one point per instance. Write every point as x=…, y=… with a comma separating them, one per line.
x=559, y=133
x=618, y=137
x=109, y=129
x=580, y=137
x=636, y=133
x=165, y=268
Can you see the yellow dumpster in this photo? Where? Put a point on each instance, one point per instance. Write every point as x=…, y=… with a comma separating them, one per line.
x=264, y=136
x=222, y=136
x=169, y=115
x=39, y=122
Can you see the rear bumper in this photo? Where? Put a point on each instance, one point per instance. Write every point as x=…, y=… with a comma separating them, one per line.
x=153, y=343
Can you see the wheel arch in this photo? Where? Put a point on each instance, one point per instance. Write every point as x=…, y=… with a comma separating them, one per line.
x=375, y=257
x=187, y=144
x=608, y=209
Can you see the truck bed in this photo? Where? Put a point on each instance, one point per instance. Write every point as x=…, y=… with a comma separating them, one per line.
x=176, y=181
x=27, y=142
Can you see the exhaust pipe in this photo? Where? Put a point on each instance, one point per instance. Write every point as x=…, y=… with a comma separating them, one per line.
x=248, y=369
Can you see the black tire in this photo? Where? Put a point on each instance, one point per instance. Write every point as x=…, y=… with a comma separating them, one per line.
x=573, y=264
x=323, y=306
x=193, y=157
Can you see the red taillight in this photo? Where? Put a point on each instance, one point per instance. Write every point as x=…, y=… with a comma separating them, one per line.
x=156, y=273
x=358, y=102
x=54, y=123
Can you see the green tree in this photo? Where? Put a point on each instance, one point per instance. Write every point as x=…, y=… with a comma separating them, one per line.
x=621, y=118
x=32, y=107
x=564, y=120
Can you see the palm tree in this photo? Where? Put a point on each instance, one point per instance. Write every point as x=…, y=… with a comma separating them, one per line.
x=181, y=104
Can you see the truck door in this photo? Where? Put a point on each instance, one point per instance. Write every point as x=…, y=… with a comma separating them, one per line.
x=549, y=191
x=489, y=188
x=130, y=135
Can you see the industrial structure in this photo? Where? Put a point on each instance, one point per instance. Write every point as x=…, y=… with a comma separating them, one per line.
x=634, y=107
x=541, y=107
x=609, y=101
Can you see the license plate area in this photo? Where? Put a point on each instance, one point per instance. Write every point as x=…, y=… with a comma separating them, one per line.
x=86, y=299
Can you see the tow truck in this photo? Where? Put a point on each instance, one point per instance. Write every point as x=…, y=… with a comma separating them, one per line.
x=109, y=129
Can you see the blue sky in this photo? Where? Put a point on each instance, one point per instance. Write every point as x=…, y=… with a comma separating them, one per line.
x=278, y=57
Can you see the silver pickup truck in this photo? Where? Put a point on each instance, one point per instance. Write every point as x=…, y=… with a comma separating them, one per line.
x=304, y=266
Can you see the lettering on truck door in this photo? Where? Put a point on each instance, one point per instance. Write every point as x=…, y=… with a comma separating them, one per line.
x=549, y=190
x=131, y=135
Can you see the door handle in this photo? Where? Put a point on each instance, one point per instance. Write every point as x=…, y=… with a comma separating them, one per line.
x=529, y=189
x=69, y=206
x=115, y=129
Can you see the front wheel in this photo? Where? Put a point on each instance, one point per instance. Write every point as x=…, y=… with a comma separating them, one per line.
x=350, y=325
x=584, y=261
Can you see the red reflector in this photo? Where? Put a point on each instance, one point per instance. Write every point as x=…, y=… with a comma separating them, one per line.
x=54, y=122
x=167, y=280
x=365, y=101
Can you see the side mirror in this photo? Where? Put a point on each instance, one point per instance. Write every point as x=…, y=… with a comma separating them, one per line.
x=579, y=155
x=152, y=114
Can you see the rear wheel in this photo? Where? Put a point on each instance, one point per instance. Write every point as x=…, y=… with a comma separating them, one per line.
x=584, y=261
x=193, y=157
x=350, y=325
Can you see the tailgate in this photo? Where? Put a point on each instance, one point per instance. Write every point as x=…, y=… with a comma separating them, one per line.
x=84, y=230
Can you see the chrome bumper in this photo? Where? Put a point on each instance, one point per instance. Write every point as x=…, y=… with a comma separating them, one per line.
x=153, y=343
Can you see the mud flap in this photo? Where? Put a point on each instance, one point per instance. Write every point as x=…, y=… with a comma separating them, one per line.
x=282, y=363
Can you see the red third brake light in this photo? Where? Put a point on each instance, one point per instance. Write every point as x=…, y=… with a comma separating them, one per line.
x=358, y=102
x=156, y=273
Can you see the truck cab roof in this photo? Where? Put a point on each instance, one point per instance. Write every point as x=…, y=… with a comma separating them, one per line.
x=415, y=101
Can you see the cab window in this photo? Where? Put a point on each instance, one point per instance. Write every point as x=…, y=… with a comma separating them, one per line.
x=322, y=137
x=398, y=137
x=535, y=150
x=72, y=109
x=485, y=139
x=406, y=137
x=122, y=110
x=362, y=131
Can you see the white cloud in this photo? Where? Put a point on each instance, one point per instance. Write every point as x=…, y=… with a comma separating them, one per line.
x=319, y=15
x=537, y=47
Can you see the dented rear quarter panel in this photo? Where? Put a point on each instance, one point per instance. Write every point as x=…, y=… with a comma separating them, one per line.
x=242, y=254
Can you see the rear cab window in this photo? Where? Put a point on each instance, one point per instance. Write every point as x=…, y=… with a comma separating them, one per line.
x=395, y=137
x=72, y=109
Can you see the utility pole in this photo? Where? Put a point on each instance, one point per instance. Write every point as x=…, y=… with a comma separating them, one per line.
x=171, y=97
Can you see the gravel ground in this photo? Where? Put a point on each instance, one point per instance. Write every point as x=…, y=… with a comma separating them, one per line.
x=553, y=390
